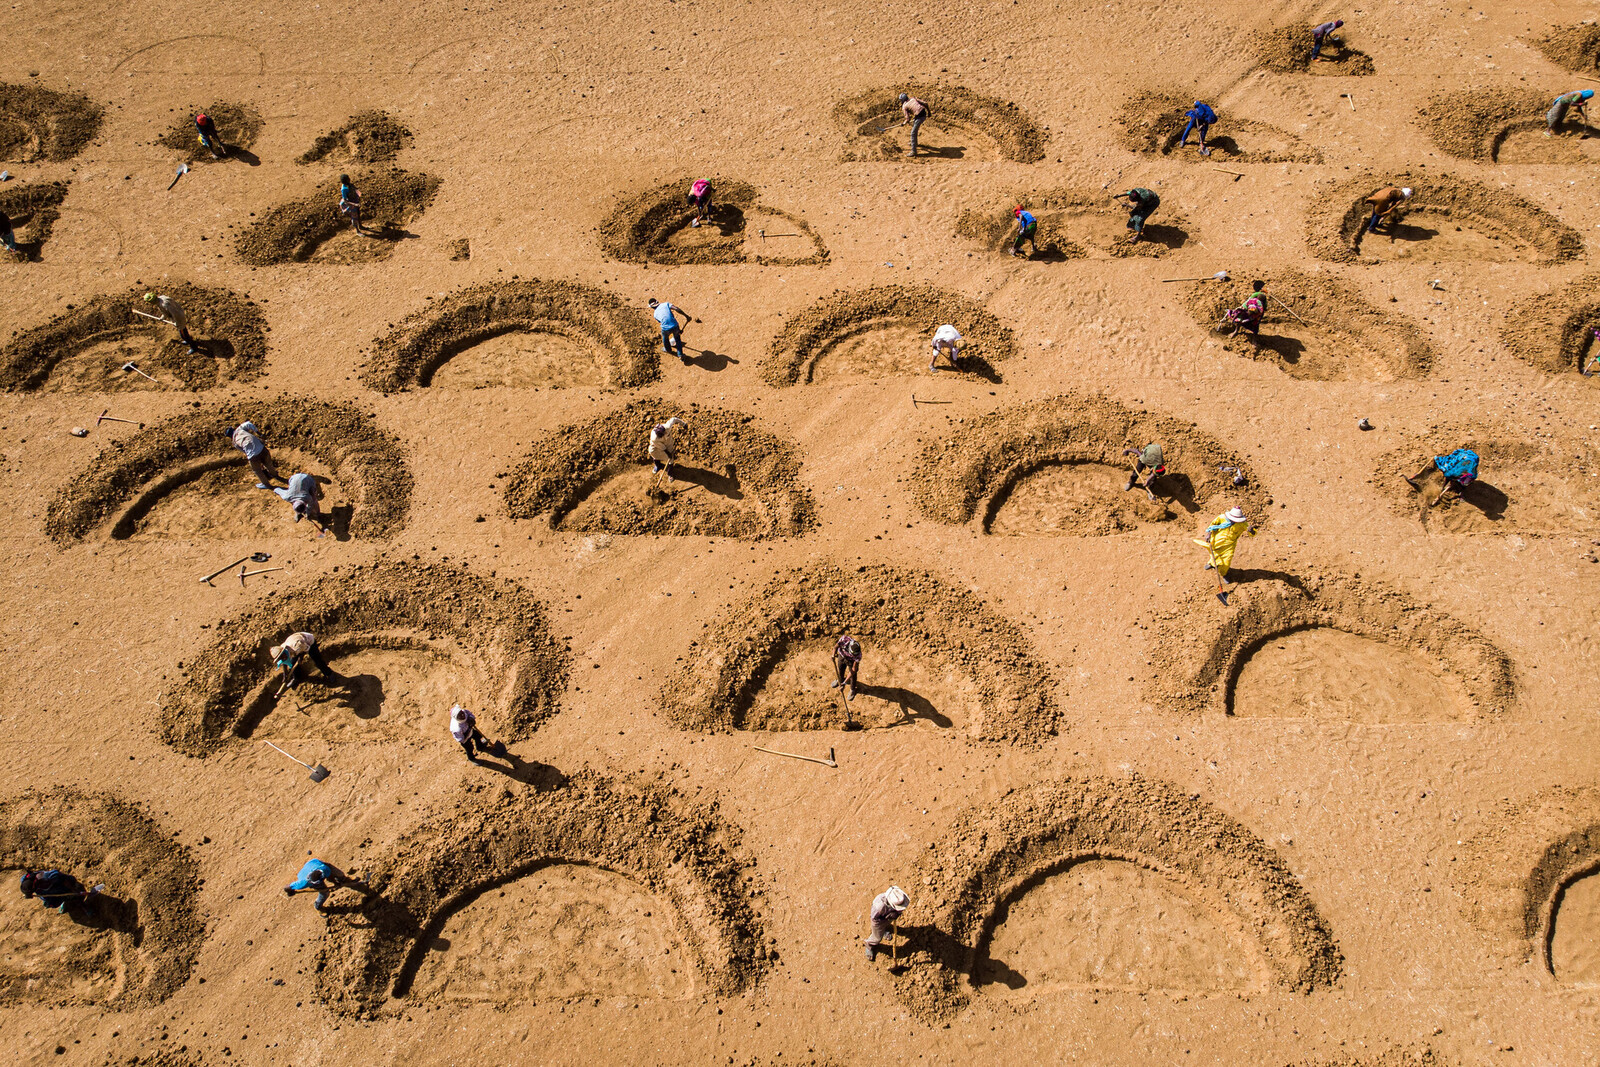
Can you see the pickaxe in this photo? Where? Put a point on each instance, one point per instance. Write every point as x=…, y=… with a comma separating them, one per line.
x=183, y=168
x=254, y=557
x=243, y=574
x=112, y=418
x=131, y=366
x=764, y=234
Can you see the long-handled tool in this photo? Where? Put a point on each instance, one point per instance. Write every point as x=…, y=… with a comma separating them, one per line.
x=1289, y=309
x=158, y=318
x=894, y=948
x=243, y=574
x=134, y=367
x=1220, y=276
x=1350, y=97
x=764, y=234
x=1237, y=174
x=318, y=771
x=254, y=557
x=829, y=762
x=104, y=417
x=849, y=719
x=183, y=168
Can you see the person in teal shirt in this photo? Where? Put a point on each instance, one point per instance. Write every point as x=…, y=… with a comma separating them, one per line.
x=1027, y=229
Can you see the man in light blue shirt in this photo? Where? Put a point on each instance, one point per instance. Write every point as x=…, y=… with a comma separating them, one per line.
x=667, y=314
x=322, y=878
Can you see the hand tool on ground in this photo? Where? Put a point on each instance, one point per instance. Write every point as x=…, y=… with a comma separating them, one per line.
x=764, y=234
x=131, y=366
x=829, y=762
x=1289, y=309
x=1205, y=151
x=1220, y=276
x=243, y=574
x=254, y=557
x=915, y=401
x=850, y=723
x=1350, y=97
x=318, y=771
x=183, y=168
x=104, y=417
x=1237, y=174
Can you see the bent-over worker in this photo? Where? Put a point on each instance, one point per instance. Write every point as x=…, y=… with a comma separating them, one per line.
x=916, y=113
x=55, y=889
x=847, y=665
x=302, y=495
x=1142, y=203
x=247, y=439
x=172, y=312
x=296, y=648
x=1384, y=202
x=947, y=342
x=887, y=907
x=1460, y=470
x=322, y=878
x=664, y=445
x=1149, y=462
x=1221, y=537
x=1578, y=99
x=1320, y=35
x=464, y=728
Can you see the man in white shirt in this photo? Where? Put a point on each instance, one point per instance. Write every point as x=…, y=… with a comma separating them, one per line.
x=247, y=439
x=887, y=907
x=295, y=648
x=464, y=728
x=172, y=311
x=664, y=445
x=946, y=342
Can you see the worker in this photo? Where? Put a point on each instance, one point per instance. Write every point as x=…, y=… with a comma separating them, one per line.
x=887, y=907
x=1142, y=203
x=172, y=314
x=8, y=237
x=666, y=315
x=1384, y=204
x=209, y=137
x=916, y=113
x=464, y=728
x=322, y=878
x=1248, y=315
x=1027, y=230
x=247, y=439
x=1221, y=537
x=1320, y=35
x=847, y=665
x=946, y=342
x=1460, y=470
x=288, y=656
x=55, y=889
x=1200, y=119
x=699, y=197
x=1594, y=359
x=1147, y=461
x=1557, y=114
x=302, y=495
x=350, y=203
x=663, y=451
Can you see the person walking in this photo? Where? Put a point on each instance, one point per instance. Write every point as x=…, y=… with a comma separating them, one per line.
x=847, y=665
x=247, y=439
x=1557, y=114
x=887, y=907
x=172, y=313
x=464, y=728
x=1384, y=203
x=663, y=450
x=916, y=113
x=1320, y=35
x=8, y=237
x=350, y=203
x=55, y=889
x=699, y=198
x=303, y=494
x=947, y=342
x=1148, y=461
x=1221, y=537
x=1200, y=119
x=296, y=648
x=208, y=136
x=666, y=314
x=1142, y=203
x=322, y=878
x=1460, y=470
x=1027, y=230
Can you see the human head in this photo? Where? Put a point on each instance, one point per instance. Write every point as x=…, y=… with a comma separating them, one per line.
x=28, y=878
x=897, y=899
x=301, y=510
x=1406, y=193
x=1337, y=23
x=853, y=647
x=659, y=431
x=654, y=301
x=1016, y=212
x=1198, y=103
x=275, y=651
x=1257, y=286
x=149, y=298
x=1587, y=94
x=904, y=97
x=344, y=179
x=1236, y=515
x=458, y=713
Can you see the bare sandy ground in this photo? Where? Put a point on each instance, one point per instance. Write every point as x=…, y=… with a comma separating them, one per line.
x=1349, y=818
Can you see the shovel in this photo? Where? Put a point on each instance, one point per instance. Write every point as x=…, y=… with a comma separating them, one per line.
x=254, y=557
x=318, y=771
x=1220, y=276
x=183, y=168
x=894, y=950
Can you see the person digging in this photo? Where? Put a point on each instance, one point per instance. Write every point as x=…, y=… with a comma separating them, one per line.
x=303, y=495
x=699, y=200
x=464, y=729
x=1385, y=203
x=887, y=907
x=663, y=449
x=209, y=138
x=1147, y=462
x=1221, y=537
x=1200, y=119
x=322, y=878
x=1577, y=100
x=297, y=648
x=1248, y=316
x=1459, y=468
x=1323, y=34
x=247, y=439
x=1027, y=230
x=916, y=113
x=172, y=314
x=1142, y=203
x=55, y=889
x=947, y=342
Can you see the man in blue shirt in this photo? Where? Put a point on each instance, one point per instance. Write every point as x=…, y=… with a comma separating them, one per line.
x=671, y=329
x=1200, y=118
x=55, y=889
x=1027, y=229
x=322, y=878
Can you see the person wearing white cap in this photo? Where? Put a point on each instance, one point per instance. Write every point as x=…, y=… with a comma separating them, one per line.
x=296, y=647
x=1578, y=99
x=1221, y=537
x=247, y=439
x=887, y=907
x=1384, y=202
x=947, y=343
x=663, y=451
x=464, y=728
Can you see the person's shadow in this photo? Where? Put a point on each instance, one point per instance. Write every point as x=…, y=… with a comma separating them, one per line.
x=723, y=485
x=243, y=155
x=1165, y=236
x=913, y=706
x=941, y=152
x=1289, y=349
x=1487, y=499
x=979, y=966
x=102, y=911
x=1240, y=575
x=500, y=759
x=976, y=365
x=1177, y=488
x=1404, y=231
x=709, y=360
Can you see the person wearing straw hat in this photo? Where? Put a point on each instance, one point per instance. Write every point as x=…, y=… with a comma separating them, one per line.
x=1220, y=539
x=1027, y=230
x=464, y=728
x=1384, y=204
x=295, y=648
x=172, y=312
x=1557, y=114
x=947, y=342
x=887, y=907
x=847, y=665
x=247, y=439
x=322, y=878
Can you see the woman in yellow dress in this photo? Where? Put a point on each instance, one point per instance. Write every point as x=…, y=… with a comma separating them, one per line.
x=1220, y=539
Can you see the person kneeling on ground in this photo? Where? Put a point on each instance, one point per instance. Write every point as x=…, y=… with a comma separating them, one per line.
x=1148, y=462
x=1384, y=204
x=1142, y=203
x=847, y=665
x=699, y=198
x=464, y=728
x=55, y=889
x=947, y=342
x=887, y=907
x=322, y=878
x=1027, y=230
x=1460, y=469
x=295, y=648
x=302, y=495
x=1248, y=315
x=247, y=439
x=1557, y=114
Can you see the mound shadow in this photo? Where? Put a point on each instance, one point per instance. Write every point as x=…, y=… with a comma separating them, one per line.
x=1316, y=328
x=1340, y=649
x=131, y=476
x=38, y=124
x=958, y=118
x=85, y=347
x=132, y=945
x=1555, y=330
x=1152, y=124
x=366, y=139
x=1287, y=50
x=238, y=127
x=732, y=478
x=679, y=858
x=881, y=331
x=1074, y=224
x=1447, y=219
x=33, y=208
x=599, y=340
x=656, y=226
x=1058, y=466
x=311, y=228
x=912, y=625
x=994, y=857
x=496, y=625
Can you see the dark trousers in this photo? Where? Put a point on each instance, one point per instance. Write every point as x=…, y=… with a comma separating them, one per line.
x=846, y=670
x=670, y=336
x=315, y=656
x=475, y=738
x=1316, y=47
x=1204, y=128
x=1026, y=234
x=916, y=125
x=1372, y=223
x=8, y=238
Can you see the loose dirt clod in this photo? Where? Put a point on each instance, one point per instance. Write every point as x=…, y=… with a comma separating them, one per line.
x=145, y=934
x=230, y=328
x=716, y=689
x=972, y=472
x=382, y=604
x=1554, y=331
x=1475, y=123
x=1287, y=50
x=1512, y=227
x=1348, y=337
x=293, y=232
x=1074, y=223
x=1575, y=47
x=991, y=855
x=654, y=227
x=751, y=477
x=1152, y=123
x=33, y=208
x=685, y=856
x=1198, y=659
x=238, y=126
x=138, y=470
x=625, y=336
x=812, y=334
x=1394, y=1056
x=369, y=137
x=1010, y=129
x=36, y=123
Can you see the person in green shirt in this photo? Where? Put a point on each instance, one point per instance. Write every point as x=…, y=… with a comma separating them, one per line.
x=1141, y=204
x=1148, y=462
x=1557, y=114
